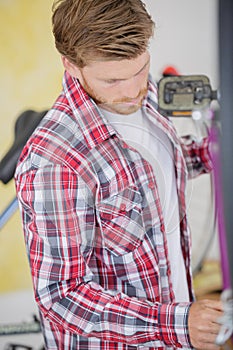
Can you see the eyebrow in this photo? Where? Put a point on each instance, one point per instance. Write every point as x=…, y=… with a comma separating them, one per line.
x=148, y=61
x=117, y=79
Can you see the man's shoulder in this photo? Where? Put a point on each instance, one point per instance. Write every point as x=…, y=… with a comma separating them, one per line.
x=57, y=140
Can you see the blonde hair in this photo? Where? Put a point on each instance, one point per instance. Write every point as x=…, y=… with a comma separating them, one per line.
x=88, y=30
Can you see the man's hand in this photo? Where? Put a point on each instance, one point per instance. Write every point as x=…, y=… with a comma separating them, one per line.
x=203, y=324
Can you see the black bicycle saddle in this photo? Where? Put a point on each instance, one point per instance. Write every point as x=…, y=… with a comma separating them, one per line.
x=24, y=127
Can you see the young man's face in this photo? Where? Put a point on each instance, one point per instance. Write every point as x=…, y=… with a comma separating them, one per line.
x=118, y=86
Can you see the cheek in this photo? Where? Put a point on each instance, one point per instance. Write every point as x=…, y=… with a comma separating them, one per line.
x=143, y=79
x=111, y=93
x=101, y=93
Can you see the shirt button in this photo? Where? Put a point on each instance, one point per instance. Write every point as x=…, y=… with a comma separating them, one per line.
x=151, y=185
x=122, y=207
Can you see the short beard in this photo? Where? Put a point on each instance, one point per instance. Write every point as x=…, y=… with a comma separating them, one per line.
x=124, y=106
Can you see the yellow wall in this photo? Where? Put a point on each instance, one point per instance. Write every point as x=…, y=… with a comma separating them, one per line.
x=30, y=77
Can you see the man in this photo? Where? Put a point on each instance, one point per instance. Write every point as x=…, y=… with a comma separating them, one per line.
x=101, y=187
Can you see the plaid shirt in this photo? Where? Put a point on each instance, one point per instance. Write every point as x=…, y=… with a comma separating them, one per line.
x=89, y=202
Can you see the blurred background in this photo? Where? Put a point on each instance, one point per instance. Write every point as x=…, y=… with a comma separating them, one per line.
x=186, y=37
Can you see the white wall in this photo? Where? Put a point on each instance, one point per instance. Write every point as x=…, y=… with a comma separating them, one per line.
x=185, y=36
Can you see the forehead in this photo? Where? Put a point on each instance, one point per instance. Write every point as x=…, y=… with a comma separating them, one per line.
x=123, y=69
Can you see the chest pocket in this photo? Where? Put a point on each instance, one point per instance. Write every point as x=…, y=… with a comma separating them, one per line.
x=121, y=221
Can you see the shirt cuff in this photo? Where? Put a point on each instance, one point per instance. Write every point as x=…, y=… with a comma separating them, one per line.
x=173, y=321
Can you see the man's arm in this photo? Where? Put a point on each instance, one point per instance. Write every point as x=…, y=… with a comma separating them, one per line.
x=203, y=315
x=58, y=214
x=197, y=155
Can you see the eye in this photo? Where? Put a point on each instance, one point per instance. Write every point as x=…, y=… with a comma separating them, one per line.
x=111, y=81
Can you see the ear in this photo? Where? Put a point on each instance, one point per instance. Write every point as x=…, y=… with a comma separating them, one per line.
x=71, y=68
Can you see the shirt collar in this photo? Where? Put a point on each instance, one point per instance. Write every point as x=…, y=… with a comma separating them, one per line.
x=94, y=126
x=150, y=106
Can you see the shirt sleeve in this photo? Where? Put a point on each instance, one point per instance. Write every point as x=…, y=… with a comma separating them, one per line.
x=197, y=155
x=58, y=214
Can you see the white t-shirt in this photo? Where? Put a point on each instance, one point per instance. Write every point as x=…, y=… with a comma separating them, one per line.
x=154, y=145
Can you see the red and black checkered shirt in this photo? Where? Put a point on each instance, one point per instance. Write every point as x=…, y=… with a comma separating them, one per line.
x=89, y=202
